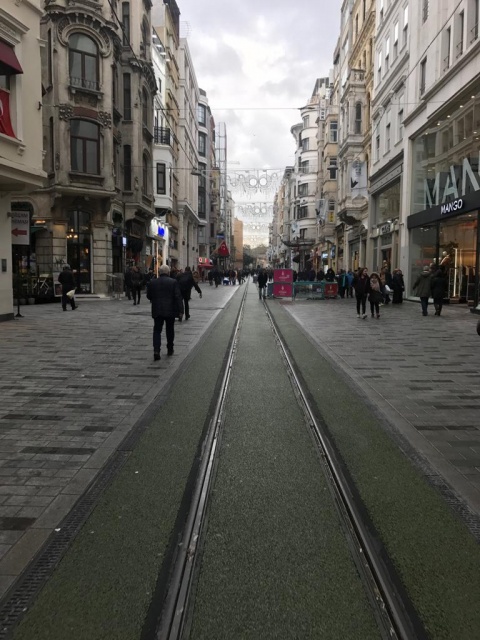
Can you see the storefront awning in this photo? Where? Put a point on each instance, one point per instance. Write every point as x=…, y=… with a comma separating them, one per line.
x=9, y=63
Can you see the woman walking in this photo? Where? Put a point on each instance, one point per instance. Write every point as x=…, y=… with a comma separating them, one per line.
x=439, y=289
x=361, y=284
x=376, y=294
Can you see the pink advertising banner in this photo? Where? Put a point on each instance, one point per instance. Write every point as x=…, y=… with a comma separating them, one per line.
x=281, y=290
x=283, y=275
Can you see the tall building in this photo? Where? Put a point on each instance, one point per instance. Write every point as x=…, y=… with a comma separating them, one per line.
x=208, y=188
x=387, y=113
x=166, y=19
x=20, y=142
x=237, y=253
x=97, y=204
x=163, y=155
x=189, y=153
x=441, y=122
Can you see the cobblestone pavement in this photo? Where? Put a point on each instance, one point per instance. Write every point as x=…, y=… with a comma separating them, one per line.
x=423, y=373
x=72, y=385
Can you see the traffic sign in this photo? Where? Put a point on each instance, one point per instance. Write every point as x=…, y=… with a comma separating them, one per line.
x=21, y=227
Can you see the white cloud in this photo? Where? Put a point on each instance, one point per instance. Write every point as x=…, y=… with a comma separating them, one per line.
x=258, y=67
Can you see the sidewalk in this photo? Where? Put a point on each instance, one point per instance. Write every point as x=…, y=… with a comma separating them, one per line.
x=72, y=386
x=423, y=374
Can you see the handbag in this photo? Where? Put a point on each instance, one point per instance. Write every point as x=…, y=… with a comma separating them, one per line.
x=387, y=289
x=70, y=293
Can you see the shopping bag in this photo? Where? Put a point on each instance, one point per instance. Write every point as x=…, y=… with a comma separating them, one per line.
x=70, y=293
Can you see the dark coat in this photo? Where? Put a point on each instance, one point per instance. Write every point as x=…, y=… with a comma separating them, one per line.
x=330, y=275
x=439, y=285
x=165, y=296
x=186, y=282
x=136, y=279
x=361, y=286
x=422, y=285
x=67, y=281
x=262, y=279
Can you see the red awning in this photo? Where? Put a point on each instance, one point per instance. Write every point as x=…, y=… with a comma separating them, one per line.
x=9, y=63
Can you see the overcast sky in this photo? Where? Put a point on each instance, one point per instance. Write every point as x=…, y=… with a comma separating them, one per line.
x=258, y=62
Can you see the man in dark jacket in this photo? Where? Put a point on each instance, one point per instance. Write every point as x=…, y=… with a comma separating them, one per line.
x=167, y=304
x=186, y=282
x=67, y=281
x=422, y=286
x=438, y=286
x=262, y=283
x=137, y=280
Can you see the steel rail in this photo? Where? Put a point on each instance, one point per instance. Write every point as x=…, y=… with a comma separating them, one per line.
x=175, y=608
x=397, y=625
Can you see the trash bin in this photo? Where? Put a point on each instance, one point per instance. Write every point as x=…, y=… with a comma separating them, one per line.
x=269, y=289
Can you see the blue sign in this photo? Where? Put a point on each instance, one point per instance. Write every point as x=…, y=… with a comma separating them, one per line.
x=161, y=231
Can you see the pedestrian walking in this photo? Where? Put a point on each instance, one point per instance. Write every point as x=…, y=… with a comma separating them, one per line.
x=128, y=282
x=350, y=277
x=439, y=289
x=167, y=304
x=262, y=283
x=398, y=286
x=186, y=282
x=67, y=281
x=376, y=294
x=422, y=286
x=386, y=279
x=137, y=281
x=361, y=285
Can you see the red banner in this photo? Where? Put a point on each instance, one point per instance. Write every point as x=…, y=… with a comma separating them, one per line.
x=5, y=121
x=283, y=275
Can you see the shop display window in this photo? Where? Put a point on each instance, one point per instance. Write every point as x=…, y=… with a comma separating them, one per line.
x=423, y=250
x=458, y=253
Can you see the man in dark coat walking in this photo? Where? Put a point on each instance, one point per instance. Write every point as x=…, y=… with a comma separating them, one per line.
x=262, y=283
x=67, y=281
x=167, y=304
x=186, y=282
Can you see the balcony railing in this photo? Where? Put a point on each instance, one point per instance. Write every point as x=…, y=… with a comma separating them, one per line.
x=162, y=135
x=83, y=83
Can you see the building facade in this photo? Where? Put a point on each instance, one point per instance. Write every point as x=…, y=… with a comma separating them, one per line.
x=97, y=205
x=392, y=36
x=21, y=144
x=441, y=186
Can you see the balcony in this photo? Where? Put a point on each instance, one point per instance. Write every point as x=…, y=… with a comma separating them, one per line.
x=162, y=135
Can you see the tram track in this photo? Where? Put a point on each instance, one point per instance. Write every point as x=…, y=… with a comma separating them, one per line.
x=394, y=614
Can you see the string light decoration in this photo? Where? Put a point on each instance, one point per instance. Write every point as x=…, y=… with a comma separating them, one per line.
x=254, y=181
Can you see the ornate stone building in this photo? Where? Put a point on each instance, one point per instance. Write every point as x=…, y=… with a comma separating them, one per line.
x=99, y=84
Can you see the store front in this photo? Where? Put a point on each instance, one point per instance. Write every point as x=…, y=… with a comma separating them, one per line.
x=386, y=203
x=444, y=224
x=79, y=249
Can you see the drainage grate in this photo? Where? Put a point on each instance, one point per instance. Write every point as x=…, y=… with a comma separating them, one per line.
x=35, y=576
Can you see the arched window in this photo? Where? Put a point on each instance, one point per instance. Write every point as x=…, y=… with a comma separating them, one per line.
x=358, y=117
x=85, y=146
x=83, y=61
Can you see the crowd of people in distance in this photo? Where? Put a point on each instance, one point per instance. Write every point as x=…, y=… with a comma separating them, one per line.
x=218, y=276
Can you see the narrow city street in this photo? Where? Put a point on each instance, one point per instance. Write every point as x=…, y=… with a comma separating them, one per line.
x=75, y=384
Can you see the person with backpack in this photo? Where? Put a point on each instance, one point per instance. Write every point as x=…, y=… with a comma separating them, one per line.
x=186, y=282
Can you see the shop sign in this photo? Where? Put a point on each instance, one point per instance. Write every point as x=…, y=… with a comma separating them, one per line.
x=282, y=275
x=385, y=228
x=137, y=229
x=451, y=183
x=450, y=207
x=281, y=290
x=21, y=227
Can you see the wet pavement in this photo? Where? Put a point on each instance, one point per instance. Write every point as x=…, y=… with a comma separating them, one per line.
x=73, y=384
